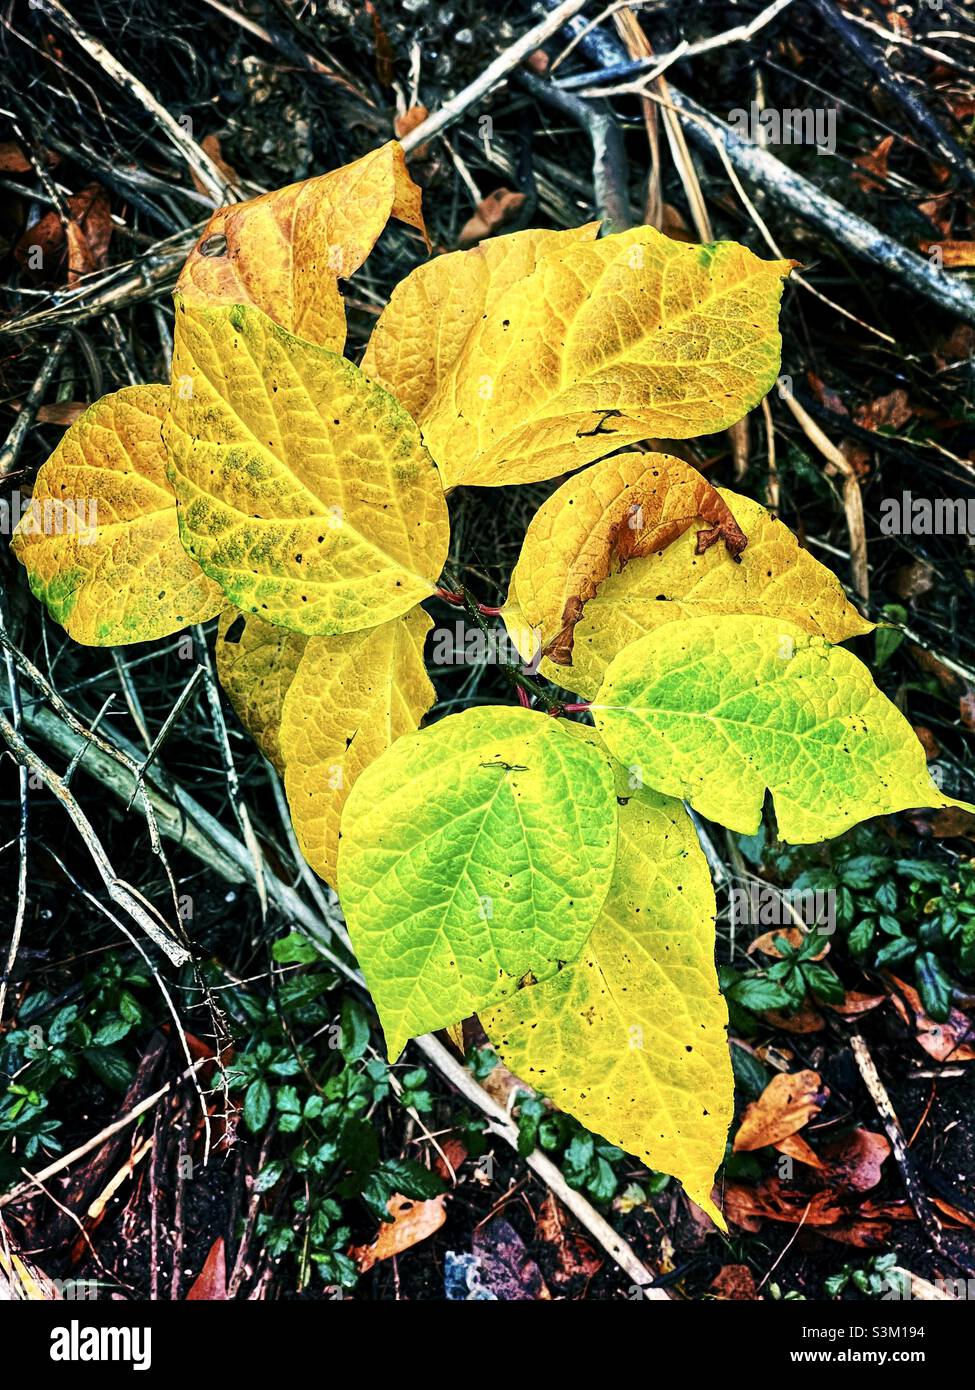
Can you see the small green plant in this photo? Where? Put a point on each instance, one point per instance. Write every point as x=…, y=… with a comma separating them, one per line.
x=56, y=1042
x=311, y=1105
x=506, y=860
x=874, y=1279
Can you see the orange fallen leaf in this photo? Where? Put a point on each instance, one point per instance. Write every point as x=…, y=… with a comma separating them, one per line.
x=954, y=255
x=888, y=412
x=855, y=1002
x=794, y=1146
x=875, y=162
x=211, y=1283
x=210, y=145
x=805, y=1019
x=789, y=1101
x=951, y=1041
x=773, y=1200
x=410, y=1222
x=492, y=213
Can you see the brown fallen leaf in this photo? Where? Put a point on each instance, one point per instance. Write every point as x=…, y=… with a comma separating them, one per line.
x=507, y=1269
x=954, y=255
x=805, y=1019
x=856, y=1003
x=875, y=162
x=409, y=121
x=455, y=1151
x=410, y=1222
x=789, y=1101
x=85, y=240
x=855, y=1160
x=796, y=1147
x=927, y=740
x=575, y=1258
x=210, y=145
x=735, y=1282
x=887, y=412
x=12, y=158
x=773, y=1200
x=952, y=1041
x=211, y=1282
x=492, y=213
x=952, y=822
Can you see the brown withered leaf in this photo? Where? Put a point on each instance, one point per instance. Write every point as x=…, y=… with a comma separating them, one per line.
x=885, y=412
x=735, y=1282
x=796, y=1147
x=507, y=1269
x=952, y=1041
x=875, y=162
x=805, y=1019
x=410, y=1222
x=856, y=1003
x=210, y=145
x=493, y=212
x=211, y=1283
x=954, y=255
x=855, y=1160
x=89, y=232
x=927, y=740
x=774, y=1200
x=789, y=1101
x=575, y=1258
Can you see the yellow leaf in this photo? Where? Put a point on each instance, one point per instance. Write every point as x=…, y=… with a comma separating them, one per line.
x=604, y=344
x=719, y=710
x=630, y=1038
x=350, y=699
x=100, y=541
x=431, y=314
x=627, y=507
x=286, y=251
x=304, y=489
x=256, y=663
x=773, y=576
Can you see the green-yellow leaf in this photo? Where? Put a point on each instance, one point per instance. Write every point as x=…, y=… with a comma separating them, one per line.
x=256, y=663
x=773, y=576
x=431, y=314
x=350, y=699
x=473, y=853
x=717, y=710
x=286, y=251
x=304, y=489
x=100, y=541
x=604, y=344
x=630, y=1038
